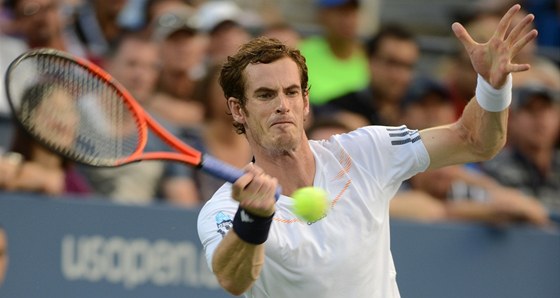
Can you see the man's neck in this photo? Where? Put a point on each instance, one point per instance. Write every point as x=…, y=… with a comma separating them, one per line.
x=294, y=169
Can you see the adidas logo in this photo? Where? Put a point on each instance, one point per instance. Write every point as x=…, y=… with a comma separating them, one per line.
x=246, y=217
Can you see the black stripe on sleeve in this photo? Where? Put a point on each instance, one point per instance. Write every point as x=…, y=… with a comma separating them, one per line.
x=412, y=137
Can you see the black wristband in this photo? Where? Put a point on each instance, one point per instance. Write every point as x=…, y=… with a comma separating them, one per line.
x=251, y=228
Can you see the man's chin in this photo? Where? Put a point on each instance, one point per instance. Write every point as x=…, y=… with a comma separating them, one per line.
x=284, y=143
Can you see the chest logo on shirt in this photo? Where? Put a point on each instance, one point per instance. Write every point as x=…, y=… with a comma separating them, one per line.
x=224, y=223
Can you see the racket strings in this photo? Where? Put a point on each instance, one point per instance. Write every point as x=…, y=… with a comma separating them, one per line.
x=73, y=110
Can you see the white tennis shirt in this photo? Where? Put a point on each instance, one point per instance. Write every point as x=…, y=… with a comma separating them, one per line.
x=347, y=252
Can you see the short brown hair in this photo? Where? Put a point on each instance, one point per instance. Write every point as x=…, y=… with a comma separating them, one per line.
x=263, y=50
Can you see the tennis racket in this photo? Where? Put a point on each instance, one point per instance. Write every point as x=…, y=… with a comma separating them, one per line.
x=80, y=111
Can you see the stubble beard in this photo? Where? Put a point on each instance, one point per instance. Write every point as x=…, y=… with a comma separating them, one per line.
x=277, y=147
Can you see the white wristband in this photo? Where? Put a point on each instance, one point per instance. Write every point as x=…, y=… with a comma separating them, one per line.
x=490, y=99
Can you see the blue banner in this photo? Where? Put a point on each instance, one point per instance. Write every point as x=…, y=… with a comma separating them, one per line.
x=78, y=248
x=63, y=247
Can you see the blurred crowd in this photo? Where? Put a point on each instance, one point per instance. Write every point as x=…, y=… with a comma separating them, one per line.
x=168, y=54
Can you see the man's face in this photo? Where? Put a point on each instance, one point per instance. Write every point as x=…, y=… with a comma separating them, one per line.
x=39, y=20
x=275, y=106
x=136, y=65
x=3, y=255
x=536, y=124
x=392, y=67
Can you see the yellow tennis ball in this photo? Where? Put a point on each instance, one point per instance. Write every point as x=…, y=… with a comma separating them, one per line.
x=310, y=203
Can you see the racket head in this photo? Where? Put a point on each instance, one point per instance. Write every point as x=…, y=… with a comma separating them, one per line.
x=75, y=108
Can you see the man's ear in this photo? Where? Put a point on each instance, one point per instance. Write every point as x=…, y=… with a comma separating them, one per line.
x=236, y=110
x=306, y=105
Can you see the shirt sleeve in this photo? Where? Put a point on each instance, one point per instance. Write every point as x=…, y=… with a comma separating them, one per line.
x=215, y=220
x=392, y=154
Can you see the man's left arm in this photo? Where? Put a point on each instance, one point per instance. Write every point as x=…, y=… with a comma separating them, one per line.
x=480, y=133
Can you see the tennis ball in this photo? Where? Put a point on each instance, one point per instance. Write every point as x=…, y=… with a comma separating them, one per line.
x=310, y=203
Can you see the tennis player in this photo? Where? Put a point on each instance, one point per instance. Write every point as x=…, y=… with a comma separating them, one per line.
x=257, y=246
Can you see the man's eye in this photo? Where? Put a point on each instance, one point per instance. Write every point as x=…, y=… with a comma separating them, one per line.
x=293, y=93
x=267, y=95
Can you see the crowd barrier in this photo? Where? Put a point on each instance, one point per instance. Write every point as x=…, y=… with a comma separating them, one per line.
x=70, y=248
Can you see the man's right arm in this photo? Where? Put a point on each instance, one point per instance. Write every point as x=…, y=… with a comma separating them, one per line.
x=237, y=264
x=239, y=257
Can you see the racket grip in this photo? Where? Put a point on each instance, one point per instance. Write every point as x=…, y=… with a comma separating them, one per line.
x=226, y=172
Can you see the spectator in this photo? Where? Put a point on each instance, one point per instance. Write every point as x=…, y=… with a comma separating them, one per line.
x=547, y=22
x=4, y=258
x=459, y=74
x=457, y=70
x=182, y=52
x=531, y=162
x=336, y=60
x=41, y=23
x=324, y=128
x=227, y=28
x=7, y=26
x=161, y=14
x=454, y=192
x=135, y=62
x=96, y=24
x=285, y=33
x=32, y=167
x=393, y=54
x=10, y=49
x=426, y=104
x=543, y=69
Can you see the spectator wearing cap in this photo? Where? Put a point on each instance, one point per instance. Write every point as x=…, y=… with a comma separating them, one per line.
x=164, y=15
x=183, y=51
x=336, y=60
x=531, y=160
x=227, y=27
x=455, y=192
x=427, y=104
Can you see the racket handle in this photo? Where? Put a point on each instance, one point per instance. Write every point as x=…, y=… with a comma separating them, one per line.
x=226, y=172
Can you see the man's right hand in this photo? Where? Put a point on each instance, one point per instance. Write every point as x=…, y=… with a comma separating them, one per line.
x=255, y=191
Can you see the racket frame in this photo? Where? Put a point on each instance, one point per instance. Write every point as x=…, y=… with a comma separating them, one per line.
x=185, y=153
